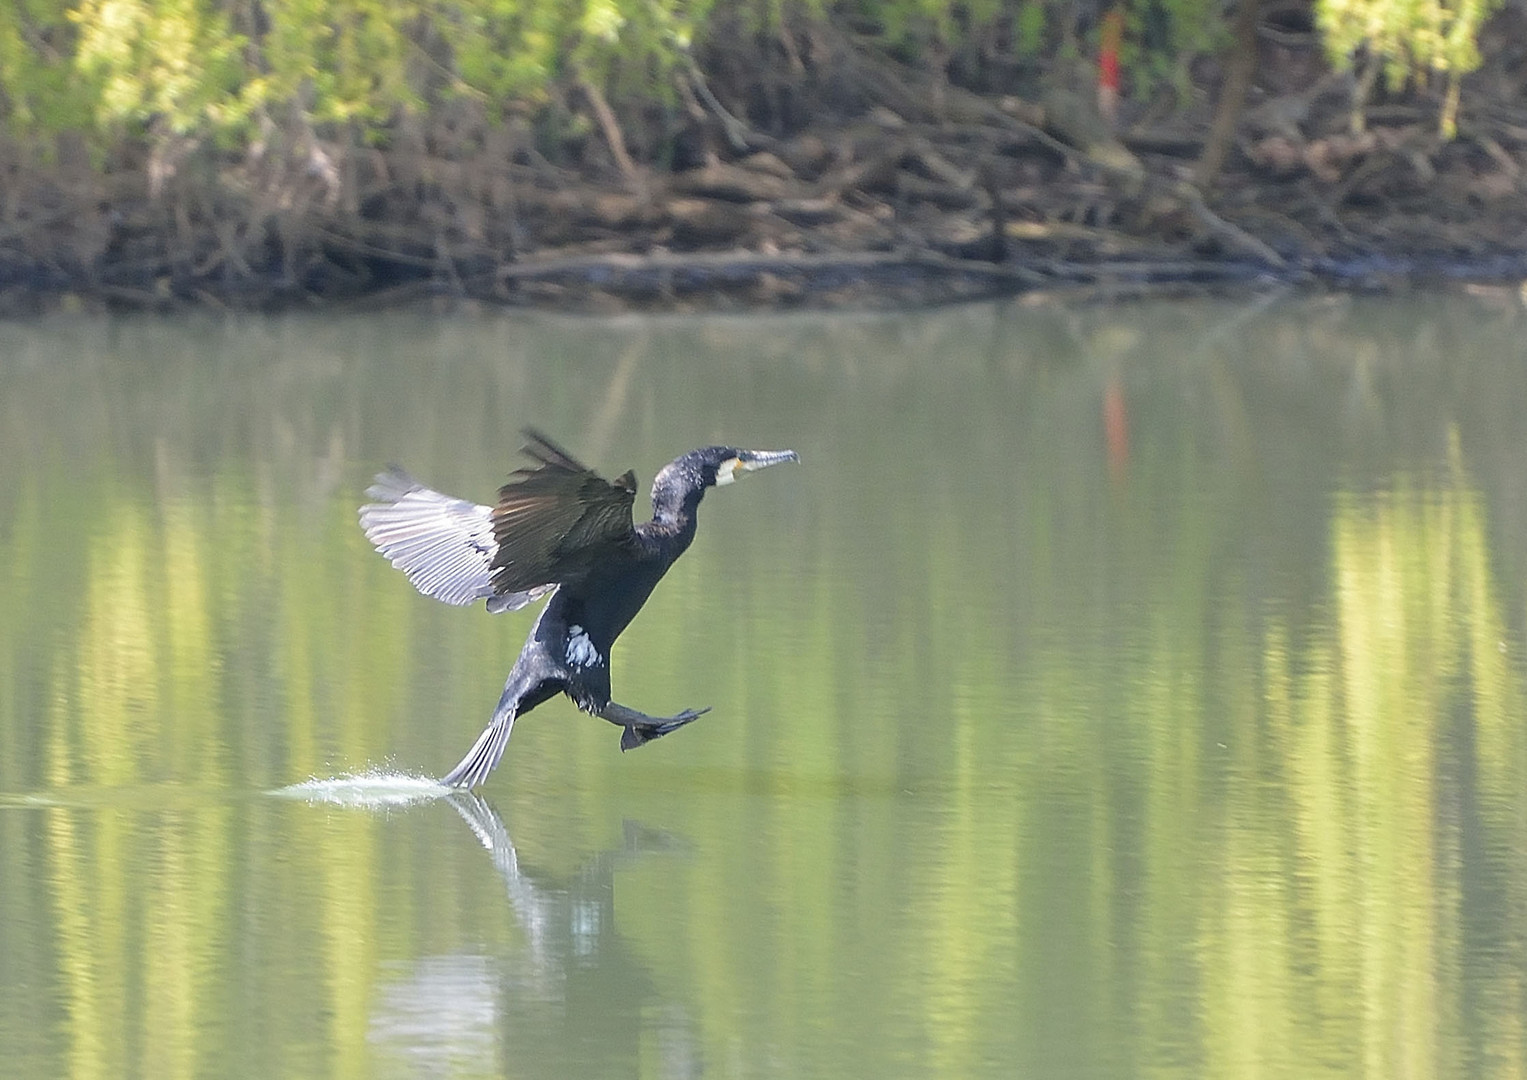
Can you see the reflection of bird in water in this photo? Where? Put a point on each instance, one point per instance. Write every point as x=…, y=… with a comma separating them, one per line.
x=581, y=913
x=557, y=528
x=570, y=996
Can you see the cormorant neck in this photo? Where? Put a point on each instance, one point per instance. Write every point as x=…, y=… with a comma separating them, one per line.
x=676, y=509
x=676, y=493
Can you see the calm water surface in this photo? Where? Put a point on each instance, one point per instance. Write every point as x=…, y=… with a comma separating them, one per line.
x=1110, y=693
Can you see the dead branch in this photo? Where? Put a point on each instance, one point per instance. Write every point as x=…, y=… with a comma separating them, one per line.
x=610, y=126
x=1232, y=95
x=1236, y=237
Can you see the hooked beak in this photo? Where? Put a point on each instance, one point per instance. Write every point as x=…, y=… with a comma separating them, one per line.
x=751, y=461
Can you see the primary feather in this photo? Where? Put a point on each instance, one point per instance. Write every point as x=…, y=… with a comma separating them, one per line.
x=445, y=545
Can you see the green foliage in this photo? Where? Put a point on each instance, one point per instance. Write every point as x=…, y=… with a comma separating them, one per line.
x=1163, y=36
x=1409, y=38
x=341, y=59
x=175, y=59
x=40, y=89
x=502, y=46
x=1029, y=27
x=209, y=67
x=1409, y=35
x=214, y=67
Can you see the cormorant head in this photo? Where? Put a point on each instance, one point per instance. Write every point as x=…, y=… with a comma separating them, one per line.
x=731, y=463
x=686, y=478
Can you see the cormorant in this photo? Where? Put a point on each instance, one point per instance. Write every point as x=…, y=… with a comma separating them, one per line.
x=558, y=528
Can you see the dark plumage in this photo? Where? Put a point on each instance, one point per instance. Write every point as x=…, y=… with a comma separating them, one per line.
x=560, y=528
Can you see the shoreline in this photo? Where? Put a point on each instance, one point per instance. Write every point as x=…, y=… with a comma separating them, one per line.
x=950, y=195
x=849, y=281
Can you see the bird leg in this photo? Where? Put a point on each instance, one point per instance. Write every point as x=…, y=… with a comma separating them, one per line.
x=641, y=728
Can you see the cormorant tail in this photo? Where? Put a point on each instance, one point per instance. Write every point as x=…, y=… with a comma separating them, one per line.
x=485, y=753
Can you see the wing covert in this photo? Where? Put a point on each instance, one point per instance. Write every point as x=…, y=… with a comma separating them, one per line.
x=555, y=521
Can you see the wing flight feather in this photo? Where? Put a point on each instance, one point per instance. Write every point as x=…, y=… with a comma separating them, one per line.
x=552, y=524
x=445, y=545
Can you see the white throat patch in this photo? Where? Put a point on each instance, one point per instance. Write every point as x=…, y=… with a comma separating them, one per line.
x=580, y=650
x=726, y=472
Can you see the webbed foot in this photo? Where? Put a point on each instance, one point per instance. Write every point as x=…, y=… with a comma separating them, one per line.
x=640, y=729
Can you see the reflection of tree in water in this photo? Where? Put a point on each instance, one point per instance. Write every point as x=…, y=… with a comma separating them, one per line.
x=570, y=1000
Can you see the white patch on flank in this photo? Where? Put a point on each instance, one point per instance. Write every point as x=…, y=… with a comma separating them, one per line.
x=580, y=650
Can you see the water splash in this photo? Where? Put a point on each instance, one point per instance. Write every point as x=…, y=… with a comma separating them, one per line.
x=378, y=788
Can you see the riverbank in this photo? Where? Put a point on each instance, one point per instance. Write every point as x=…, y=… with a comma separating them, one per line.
x=902, y=189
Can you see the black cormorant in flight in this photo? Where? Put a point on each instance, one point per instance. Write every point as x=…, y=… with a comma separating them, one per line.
x=558, y=528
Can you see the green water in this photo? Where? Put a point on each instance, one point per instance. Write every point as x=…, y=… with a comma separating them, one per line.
x=1109, y=693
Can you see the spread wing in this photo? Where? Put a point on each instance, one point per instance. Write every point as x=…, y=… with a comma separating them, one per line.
x=444, y=545
x=555, y=522
x=552, y=524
